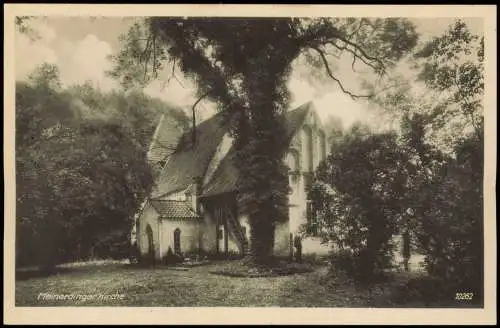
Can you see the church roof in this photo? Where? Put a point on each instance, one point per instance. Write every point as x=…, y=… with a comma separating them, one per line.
x=173, y=209
x=188, y=162
x=165, y=138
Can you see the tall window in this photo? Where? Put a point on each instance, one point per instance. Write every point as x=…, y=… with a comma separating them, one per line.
x=307, y=149
x=322, y=145
x=293, y=160
x=177, y=241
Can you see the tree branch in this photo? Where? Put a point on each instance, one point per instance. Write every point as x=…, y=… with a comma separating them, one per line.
x=330, y=73
x=353, y=63
x=193, y=111
x=362, y=52
x=355, y=54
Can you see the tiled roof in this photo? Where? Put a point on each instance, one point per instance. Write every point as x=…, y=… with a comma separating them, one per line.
x=173, y=209
x=166, y=137
x=188, y=162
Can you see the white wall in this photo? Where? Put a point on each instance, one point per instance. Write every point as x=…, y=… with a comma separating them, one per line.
x=209, y=233
x=298, y=195
x=149, y=217
x=189, y=237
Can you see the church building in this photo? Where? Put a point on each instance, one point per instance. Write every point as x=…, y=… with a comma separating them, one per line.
x=193, y=205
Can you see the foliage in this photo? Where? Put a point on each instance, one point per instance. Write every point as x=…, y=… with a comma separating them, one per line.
x=448, y=87
x=452, y=64
x=358, y=197
x=441, y=131
x=243, y=65
x=171, y=258
x=23, y=26
x=450, y=225
x=450, y=229
x=80, y=166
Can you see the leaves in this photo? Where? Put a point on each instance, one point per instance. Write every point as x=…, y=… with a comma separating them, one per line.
x=80, y=166
x=453, y=64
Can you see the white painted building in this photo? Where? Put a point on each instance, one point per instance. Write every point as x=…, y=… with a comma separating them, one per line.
x=193, y=207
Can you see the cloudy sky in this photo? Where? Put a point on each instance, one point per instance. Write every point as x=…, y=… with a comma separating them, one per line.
x=80, y=46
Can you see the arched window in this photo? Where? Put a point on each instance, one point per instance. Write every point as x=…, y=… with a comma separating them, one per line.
x=177, y=241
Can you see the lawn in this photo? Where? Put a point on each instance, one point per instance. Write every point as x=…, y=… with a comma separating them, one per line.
x=196, y=286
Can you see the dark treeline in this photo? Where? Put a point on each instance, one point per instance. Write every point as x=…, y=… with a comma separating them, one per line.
x=81, y=167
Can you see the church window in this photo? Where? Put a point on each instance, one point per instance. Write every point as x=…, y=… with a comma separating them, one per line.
x=177, y=241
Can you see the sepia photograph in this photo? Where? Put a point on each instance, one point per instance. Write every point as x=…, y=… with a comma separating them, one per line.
x=192, y=159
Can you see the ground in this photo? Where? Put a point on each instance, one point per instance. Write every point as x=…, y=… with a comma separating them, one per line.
x=197, y=286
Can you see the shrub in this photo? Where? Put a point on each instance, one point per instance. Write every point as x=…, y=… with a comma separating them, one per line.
x=171, y=258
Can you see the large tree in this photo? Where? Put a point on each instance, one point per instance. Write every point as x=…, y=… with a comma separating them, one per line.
x=243, y=65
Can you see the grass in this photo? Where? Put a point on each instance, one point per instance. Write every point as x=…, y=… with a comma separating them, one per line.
x=243, y=269
x=164, y=286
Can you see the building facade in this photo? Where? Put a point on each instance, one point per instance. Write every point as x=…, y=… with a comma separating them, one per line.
x=193, y=206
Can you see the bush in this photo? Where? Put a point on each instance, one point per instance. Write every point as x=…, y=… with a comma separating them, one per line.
x=451, y=229
x=171, y=258
x=361, y=266
x=134, y=254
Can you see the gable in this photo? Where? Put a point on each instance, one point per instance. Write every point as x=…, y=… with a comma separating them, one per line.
x=226, y=176
x=212, y=157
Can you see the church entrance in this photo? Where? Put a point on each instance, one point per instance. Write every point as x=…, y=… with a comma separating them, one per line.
x=150, y=245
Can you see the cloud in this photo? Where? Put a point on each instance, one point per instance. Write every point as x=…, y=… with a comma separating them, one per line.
x=86, y=60
x=180, y=92
x=78, y=60
x=31, y=53
x=342, y=106
x=325, y=94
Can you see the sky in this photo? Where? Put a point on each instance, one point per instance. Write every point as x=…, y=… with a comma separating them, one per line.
x=80, y=47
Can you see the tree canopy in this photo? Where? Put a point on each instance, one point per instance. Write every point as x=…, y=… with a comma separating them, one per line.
x=243, y=65
x=412, y=181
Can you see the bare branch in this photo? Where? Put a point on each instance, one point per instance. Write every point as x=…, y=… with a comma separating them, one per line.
x=355, y=54
x=193, y=111
x=353, y=63
x=330, y=73
x=362, y=52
